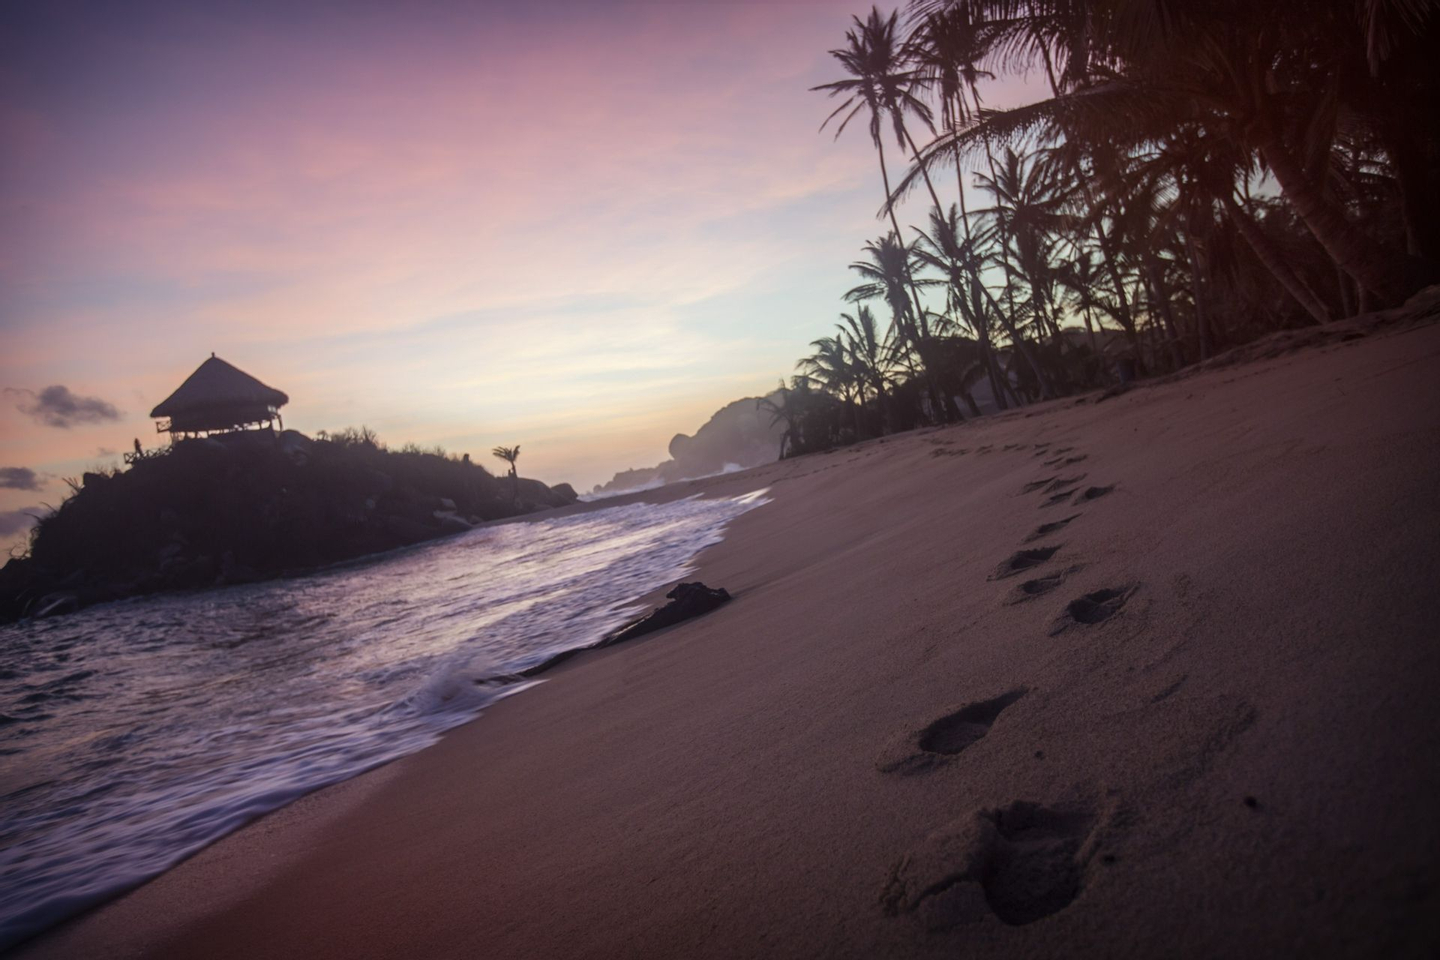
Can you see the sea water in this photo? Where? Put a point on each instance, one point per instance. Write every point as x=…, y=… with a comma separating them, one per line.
x=135, y=733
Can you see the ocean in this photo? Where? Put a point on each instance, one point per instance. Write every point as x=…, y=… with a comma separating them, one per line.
x=135, y=733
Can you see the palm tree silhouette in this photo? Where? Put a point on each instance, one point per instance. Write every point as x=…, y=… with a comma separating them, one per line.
x=880, y=83
x=874, y=356
x=510, y=455
x=1273, y=83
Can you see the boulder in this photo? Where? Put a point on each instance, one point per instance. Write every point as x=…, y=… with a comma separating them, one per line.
x=686, y=600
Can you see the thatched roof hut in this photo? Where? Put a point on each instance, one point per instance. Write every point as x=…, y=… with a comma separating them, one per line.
x=217, y=398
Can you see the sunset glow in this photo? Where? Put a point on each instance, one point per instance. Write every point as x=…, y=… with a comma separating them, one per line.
x=581, y=228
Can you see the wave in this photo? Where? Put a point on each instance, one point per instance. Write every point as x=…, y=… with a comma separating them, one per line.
x=171, y=721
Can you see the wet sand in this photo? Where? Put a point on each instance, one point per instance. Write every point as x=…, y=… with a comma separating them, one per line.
x=1152, y=676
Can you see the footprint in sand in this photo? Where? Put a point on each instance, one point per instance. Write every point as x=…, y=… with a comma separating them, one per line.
x=1057, y=499
x=1045, y=529
x=1063, y=483
x=1034, y=485
x=1023, y=560
x=1020, y=863
x=1038, y=587
x=1094, y=493
x=1170, y=689
x=1093, y=608
x=935, y=744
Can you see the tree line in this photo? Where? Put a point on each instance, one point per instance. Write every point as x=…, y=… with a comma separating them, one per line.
x=1201, y=173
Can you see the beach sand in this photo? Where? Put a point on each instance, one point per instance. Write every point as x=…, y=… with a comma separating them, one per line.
x=1203, y=723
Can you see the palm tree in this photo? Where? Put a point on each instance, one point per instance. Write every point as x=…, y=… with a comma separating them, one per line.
x=808, y=415
x=510, y=455
x=887, y=273
x=1081, y=277
x=834, y=368
x=1270, y=77
x=785, y=411
x=944, y=249
x=879, y=84
x=874, y=356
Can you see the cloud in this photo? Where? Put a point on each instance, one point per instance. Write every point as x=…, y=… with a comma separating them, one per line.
x=17, y=521
x=19, y=478
x=56, y=406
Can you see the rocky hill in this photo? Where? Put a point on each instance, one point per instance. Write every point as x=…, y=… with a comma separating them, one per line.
x=736, y=436
x=249, y=506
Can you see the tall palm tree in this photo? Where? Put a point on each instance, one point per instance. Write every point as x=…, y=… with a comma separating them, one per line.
x=879, y=84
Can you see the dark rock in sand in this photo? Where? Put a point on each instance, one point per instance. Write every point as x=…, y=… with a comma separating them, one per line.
x=686, y=600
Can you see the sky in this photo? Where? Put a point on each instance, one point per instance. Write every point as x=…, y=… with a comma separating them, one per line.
x=581, y=227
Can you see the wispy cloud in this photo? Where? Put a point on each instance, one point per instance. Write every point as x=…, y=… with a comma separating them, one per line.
x=57, y=406
x=19, y=478
x=502, y=221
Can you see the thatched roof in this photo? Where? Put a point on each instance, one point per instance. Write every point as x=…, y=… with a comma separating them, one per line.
x=214, y=386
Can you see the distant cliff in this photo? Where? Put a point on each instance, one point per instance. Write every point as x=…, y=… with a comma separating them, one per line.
x=737, y=436
x=246, y=507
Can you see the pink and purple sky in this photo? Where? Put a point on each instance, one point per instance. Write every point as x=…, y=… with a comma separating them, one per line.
x=577, y=227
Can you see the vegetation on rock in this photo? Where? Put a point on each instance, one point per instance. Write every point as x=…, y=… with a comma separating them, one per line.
x=245, y=506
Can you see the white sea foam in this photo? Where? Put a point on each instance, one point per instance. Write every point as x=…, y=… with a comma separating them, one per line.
x=135, y=733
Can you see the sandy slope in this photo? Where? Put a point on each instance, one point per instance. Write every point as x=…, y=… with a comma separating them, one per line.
x=771, y=780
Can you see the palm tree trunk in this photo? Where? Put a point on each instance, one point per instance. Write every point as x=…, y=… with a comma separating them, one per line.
x=1094, y=343
x=1161, y=300
x=1197, y=290
x=890, y=209
x=1274, y=262
x=1046, y=391
x=991, y=366
x=930, y=386
x=1381, y=272
x=1342, y=281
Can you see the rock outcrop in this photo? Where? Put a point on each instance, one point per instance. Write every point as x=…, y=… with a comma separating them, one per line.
x=249, y=506
x=737, y=436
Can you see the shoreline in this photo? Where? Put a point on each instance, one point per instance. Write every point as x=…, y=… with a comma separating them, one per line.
x=864, y=613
